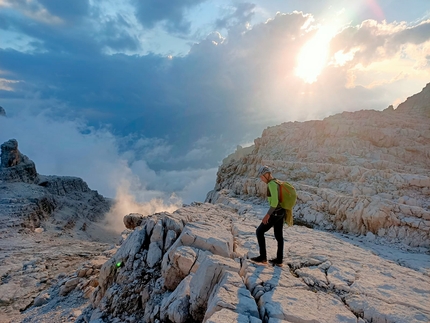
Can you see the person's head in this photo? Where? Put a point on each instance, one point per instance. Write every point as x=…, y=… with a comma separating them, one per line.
x=265, y=173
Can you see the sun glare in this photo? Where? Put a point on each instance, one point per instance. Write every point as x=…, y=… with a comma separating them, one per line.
x=313, y=56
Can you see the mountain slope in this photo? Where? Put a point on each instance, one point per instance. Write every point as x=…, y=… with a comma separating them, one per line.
x=364, y=172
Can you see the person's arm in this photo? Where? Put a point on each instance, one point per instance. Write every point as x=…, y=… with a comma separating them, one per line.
x=273, y=200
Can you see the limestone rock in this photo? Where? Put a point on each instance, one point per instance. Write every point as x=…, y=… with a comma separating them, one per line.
x=231, y=293
x=41, y=299
x=357, y=172
x=417, y=104
x=326, y=277
x=209, y=274
x=69, y=286
x=27, y=198
x=14, y=166
x=179, y=263
x=228, y=316
x=304, y=305
x=175, y=308
x=133, y=220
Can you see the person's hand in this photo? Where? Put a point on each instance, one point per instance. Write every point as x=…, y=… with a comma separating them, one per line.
x=266, y=219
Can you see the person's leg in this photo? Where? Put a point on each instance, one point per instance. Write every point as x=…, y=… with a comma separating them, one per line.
x=279, y=236
x=263, y=228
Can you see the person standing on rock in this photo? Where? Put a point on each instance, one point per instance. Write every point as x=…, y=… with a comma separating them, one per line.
x=273, y=218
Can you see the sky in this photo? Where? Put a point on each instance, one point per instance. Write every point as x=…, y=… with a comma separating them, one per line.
x=144, y=98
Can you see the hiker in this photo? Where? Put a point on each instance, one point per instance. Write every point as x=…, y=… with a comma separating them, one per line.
x=274, y=218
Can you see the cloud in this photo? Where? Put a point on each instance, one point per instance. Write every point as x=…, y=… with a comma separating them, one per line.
x=241, y=15
x=379, y=41
x=228, y=87
x=66, y=9
x=68, y=147
x=125, y=203
x=171, y=13
x=117, y=36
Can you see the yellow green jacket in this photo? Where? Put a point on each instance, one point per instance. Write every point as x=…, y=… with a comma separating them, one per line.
x=272, y=194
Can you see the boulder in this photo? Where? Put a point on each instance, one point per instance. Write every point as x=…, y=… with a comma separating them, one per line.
x=133, y=220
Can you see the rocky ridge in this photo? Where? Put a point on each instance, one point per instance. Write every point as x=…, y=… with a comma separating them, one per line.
x=42, y=222
x=193, y=266
x=364, y=172
x=418, y=104
x=27, y=198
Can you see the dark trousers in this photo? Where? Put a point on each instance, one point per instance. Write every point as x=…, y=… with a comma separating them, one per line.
x=276, y=221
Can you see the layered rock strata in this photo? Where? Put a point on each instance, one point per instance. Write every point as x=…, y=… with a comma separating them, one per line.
x=358, y=172
x=27, y=199
x=14, y=166
x=192, y=266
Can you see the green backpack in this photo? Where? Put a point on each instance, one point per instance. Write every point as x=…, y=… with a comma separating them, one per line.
x=287, y=199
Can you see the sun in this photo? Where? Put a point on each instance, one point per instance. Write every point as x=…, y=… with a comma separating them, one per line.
x=313, y=56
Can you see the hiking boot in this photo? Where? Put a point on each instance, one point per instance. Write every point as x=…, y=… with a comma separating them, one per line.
x=260, y=260
x=276, y=262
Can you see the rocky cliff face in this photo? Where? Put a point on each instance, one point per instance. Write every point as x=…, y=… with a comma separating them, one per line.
x=48, y=224
x=27, y=198
x=358, y=172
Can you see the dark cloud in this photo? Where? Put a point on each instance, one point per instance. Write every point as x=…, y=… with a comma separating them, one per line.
x=81, y=40
x=171, y=13
x=414, y=35
x=51, y=38
x=116, y=35
x=66, y=9
x=227, y=88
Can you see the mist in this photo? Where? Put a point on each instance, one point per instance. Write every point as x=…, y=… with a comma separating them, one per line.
x=69, y=147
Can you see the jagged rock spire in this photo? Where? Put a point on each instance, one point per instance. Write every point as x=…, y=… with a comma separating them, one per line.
x=14, y=166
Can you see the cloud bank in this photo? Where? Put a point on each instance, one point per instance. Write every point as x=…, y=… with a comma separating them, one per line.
x=66, y=147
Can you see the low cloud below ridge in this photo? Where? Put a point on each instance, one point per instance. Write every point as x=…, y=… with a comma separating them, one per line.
x=65, y=147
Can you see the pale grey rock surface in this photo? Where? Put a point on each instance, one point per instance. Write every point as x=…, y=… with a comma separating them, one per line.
x=48, y=225
x=33, y=263
x=327, y=277
x=364, y=172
